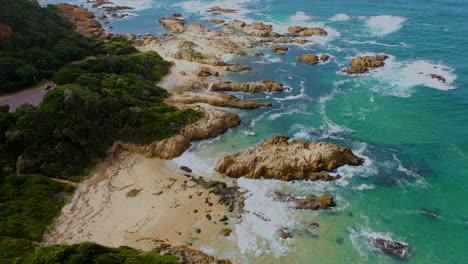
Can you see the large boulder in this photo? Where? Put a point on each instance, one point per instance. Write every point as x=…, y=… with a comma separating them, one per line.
x=174, y=25
x=279, y=158
x=363, y=64
x=391, y=247
x=256, y=29
x=248, y=87
x=309, y=58
x=298, y=31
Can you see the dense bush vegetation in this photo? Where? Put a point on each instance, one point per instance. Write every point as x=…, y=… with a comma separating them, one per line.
x=27, y=206
x=100, y=101
x=95, y=254
x=42, y=42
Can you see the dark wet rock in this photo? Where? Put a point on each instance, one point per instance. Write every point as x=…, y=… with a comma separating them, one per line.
x=186, y=169
x=284, y=233
x=223, y=219
x=393, y=248
x=340, y=240
x=315, y=225
x=225, y=232
x=310, y=202
x=438, y=77
x=324, y=57
x=208, y=216
x=229, y=196
x=177, y=15
x=258, y=54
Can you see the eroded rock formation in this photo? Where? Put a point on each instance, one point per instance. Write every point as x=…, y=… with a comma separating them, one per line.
x=256, y=29
x=218, y=9
x=214, y=123
x=248, y=87
x=172, y=24
x=363, y=64
x=279, y=158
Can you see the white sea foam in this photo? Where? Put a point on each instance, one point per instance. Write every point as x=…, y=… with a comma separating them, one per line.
x=398, y=78
x=301, y=94
x=199, y=165
x=384, y=24
x=202, y=6
x=136, y=4
x=364, y=187
x=340, y=17
x=300, y=16
x=373, y=42
x=263, y=216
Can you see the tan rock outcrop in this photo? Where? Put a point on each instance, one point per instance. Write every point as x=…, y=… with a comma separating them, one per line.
x=363, y=64
x=174, y=25
x=205, y=72
x=84, y=21
x=215, y=99
x=256, y=29
x=309, y=58
x=279, y=49
x=279, y=158
x=248, y=87
x=214, y=123
x=298, y=31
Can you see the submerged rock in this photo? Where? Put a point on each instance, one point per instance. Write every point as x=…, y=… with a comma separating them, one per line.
x=284, y=233
x=298, y=31
x=393, y=248
x=363, y=64
x=279, y=158
x=248, y=87
x=216, y=21
x=309, y=58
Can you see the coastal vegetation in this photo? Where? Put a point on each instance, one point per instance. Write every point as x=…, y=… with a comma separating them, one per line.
x=99, y=100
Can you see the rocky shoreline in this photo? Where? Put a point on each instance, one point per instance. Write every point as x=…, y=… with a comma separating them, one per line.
x=196, y=80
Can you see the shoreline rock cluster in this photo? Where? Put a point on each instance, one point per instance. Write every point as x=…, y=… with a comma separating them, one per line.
x=248, y=87
x=84, y=20
x=363, y=64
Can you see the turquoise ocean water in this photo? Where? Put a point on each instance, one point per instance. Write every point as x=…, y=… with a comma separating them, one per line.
x=411, y=129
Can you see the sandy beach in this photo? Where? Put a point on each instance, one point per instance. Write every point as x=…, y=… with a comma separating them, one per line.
x=138, y=202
